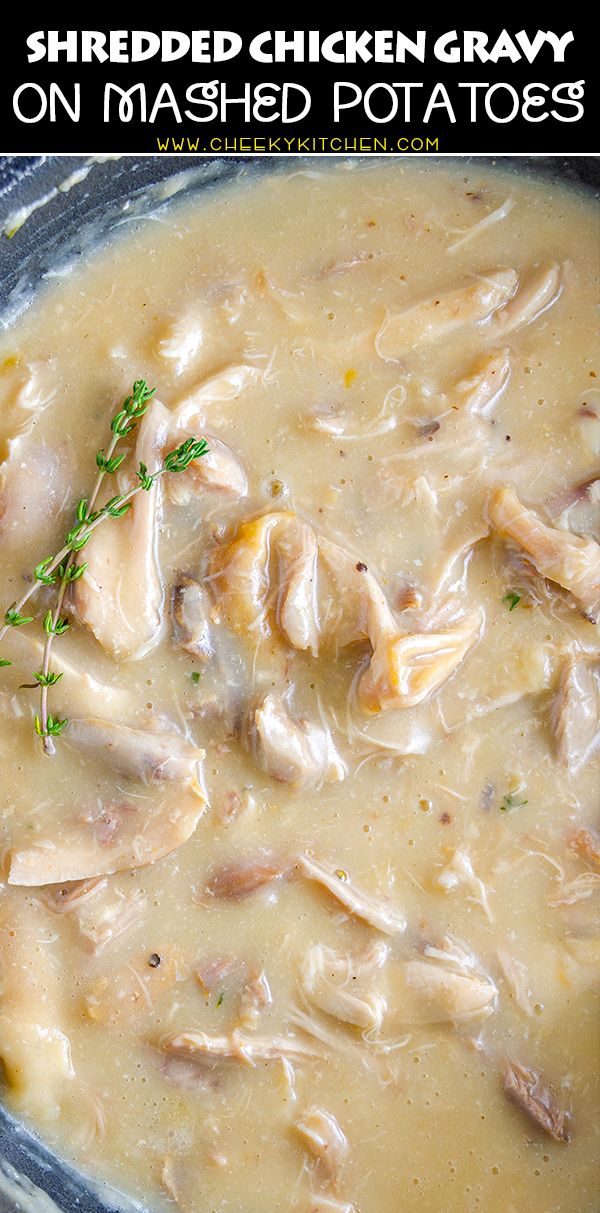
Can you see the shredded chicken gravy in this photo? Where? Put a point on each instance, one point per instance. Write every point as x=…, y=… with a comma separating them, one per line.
x=303, y=912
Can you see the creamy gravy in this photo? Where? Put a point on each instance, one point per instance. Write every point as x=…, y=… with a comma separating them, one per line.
x=347, y=960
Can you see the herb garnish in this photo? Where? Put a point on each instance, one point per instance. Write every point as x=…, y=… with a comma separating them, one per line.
x=63, y=569
x=512, y=599
x=510, y=802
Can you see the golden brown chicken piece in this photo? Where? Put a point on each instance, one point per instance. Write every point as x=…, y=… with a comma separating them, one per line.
x=570, y=560
x=405, y=667
x=405, y=670
x=268, y=573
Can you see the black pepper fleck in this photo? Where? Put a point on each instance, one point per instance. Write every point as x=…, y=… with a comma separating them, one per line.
x=154, y=960
x=361, y=567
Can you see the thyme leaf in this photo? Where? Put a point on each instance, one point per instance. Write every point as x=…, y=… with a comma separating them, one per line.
x=13, y=619
x=512, y=600
x=510, y=802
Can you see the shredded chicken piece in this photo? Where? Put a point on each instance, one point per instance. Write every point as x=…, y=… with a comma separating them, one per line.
x=213, y=973
x=325, y=1139
x=218, y=469
x=449, y=573
x=23, y=397
x=120, y=596
x=459, y=871
x=320, y=1203
x=373, y=910
x=346, y=427
x=586, y=844
x=332, y=982
x=363, y=612
x=479, y=392
x=528, y=1091
x=102, y=924
x=236, y=1047
x=488, y=220
x=147, y=757
x=517, y=979
x=570, y=560
x=121, y=836
x=35, y=1054
x=32, y=491
x=541, y=290
x=256, y=996
x=575, y=712
x=578, y=889
x=446, y=986
x=242, y=580
x=168, y=1179
x=588, y=424
x=405, y=668
x=437, y=318
x=341, y=266
x=349, y=1047
x=181, y=341
x=116, y=837
x=226, y=385
x=71, y=895
x=190, y=613
x=238, y=880
x=521, y=574
x=298, y=752
x=577, y=507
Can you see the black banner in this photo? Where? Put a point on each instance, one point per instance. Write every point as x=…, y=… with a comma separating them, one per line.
x=498, y=90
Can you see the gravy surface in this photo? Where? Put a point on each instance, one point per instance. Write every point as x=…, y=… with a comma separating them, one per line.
x=303, y=912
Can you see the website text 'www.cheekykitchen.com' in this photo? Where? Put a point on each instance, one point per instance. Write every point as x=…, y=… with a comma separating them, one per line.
x=244, y=144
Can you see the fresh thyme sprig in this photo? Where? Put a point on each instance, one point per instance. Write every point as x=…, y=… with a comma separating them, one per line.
x=63, y=569
x=131, y=411
x=124, y=421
